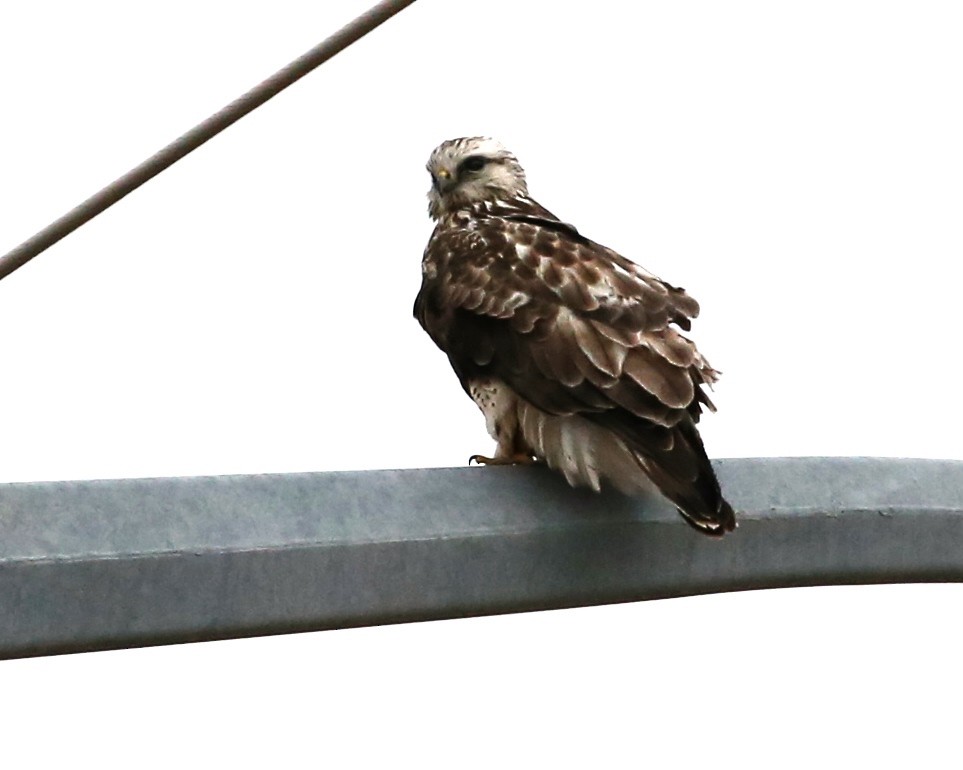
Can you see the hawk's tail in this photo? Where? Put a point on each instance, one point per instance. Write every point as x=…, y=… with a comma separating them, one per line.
x=633, y=454
x=681, y=469
x=675, y=460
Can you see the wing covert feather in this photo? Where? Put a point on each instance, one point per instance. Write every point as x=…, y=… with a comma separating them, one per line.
x=571, y=325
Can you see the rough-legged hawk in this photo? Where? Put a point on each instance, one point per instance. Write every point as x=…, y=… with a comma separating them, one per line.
x=572, y=352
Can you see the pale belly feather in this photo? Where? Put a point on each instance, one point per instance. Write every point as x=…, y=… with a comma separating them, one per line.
x=582, y=451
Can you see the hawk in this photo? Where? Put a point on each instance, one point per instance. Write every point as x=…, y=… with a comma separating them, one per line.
x=572, y=352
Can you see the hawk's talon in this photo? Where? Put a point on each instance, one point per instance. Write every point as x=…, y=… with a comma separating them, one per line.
x=519, y=458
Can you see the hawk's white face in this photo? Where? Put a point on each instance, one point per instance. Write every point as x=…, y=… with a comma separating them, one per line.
x=472, y=169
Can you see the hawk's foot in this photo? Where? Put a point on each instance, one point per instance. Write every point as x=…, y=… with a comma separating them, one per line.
x=519, y=458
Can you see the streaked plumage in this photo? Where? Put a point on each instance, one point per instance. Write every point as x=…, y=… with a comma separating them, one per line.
x=572, y=352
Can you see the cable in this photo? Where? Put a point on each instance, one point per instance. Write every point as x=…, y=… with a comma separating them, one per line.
x=101, y=201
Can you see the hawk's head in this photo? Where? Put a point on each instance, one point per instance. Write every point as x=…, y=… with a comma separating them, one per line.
x=472, y=169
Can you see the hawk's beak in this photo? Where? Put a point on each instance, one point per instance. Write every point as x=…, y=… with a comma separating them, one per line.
x=444, y=181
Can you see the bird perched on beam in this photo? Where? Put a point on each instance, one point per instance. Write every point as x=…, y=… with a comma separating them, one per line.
x=572, y=352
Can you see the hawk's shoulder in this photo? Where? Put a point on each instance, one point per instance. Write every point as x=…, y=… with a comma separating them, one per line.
x=489, y=253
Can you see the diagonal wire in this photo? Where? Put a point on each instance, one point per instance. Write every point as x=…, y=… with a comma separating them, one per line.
x=101, y=201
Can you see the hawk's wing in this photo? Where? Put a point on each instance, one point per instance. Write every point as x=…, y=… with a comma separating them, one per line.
x=575, y=328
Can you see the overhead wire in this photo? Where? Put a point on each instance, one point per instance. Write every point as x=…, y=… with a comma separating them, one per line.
x=201, y=133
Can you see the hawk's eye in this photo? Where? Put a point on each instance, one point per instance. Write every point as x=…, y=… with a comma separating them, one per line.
x=474, y=163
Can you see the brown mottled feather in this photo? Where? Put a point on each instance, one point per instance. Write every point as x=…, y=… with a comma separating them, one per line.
x=574, y=329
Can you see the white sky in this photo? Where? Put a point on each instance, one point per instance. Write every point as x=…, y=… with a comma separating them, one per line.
x=796, y=166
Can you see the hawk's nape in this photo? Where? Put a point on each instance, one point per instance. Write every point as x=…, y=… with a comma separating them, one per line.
x=573, y=353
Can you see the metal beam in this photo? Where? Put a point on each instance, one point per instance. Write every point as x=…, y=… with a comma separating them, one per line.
x=105, y=564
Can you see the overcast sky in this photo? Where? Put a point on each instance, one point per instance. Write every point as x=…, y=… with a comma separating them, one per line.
x=796, y=166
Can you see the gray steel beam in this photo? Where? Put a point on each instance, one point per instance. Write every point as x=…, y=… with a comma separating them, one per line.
x=105, y=564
